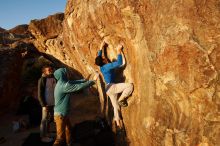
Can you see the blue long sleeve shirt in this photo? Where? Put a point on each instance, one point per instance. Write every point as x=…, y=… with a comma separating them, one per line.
x=108, y=69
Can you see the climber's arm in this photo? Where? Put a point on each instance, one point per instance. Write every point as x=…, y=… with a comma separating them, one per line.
x=118, y=62
x=114, y=64
x=101, y=47
x=123, y=59
x=100, y=53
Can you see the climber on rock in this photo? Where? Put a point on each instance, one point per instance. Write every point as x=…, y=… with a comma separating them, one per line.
x=112, y=88
x=63, y=89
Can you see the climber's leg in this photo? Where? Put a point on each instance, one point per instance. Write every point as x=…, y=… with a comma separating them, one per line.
x=124, y=88
x=113, y=97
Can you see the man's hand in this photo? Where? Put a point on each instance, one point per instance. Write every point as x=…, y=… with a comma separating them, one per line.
x=102, y=45
x=45, y=108
x=119, y=48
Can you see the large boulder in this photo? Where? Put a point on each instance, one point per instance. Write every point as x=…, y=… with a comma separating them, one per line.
x=15, y=35
x=172, y=52
x=47, y=28
x=20, y=29
x=11, y=61
x=48, y=35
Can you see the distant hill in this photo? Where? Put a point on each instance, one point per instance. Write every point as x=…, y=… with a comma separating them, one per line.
x=20, y=29
x=16, y=34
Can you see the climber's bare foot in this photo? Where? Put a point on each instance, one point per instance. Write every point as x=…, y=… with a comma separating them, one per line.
x=118, y=123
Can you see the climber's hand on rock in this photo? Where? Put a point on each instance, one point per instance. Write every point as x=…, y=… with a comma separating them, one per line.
x=102, y=44
x=119, y=48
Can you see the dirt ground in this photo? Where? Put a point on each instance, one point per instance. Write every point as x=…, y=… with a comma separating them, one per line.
x=83, y=108
x=13, y=138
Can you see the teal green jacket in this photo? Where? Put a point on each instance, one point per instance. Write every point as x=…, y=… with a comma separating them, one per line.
x=63, y=89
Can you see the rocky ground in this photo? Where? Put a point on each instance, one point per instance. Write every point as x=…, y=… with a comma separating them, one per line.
x=84, y=108
x=13, y=138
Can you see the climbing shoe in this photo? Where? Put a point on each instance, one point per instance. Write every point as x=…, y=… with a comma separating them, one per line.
x=123, y=103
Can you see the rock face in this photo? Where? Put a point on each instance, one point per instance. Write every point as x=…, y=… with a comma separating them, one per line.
x=12, y=37
x=20, y=29
x=13, y=50
x=11, y=61
x=21, y=66
x=172, y=52
x=46, y=29
x=48, y=35
x=20, y=71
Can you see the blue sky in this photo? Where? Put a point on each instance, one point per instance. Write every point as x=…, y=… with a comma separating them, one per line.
x=16, y=12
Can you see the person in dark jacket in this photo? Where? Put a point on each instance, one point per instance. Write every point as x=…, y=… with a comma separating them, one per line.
x=62, y=103
x=46, y=85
